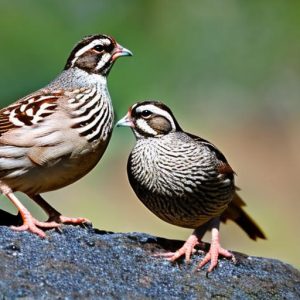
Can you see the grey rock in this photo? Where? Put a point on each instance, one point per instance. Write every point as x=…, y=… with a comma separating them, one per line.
x=87, y=263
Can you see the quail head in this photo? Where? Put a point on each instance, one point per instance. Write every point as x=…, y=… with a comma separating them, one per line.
x=183, y=179
x=56, y=135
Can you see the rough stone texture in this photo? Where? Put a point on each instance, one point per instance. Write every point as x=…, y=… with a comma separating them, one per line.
x=86, y=263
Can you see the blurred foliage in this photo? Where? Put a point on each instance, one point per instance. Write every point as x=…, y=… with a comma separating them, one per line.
x=230, y=71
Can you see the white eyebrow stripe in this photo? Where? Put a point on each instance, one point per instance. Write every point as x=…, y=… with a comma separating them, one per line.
x=158, y=111
x=90, y=46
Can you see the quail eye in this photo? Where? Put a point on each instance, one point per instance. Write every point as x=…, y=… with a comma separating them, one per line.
x=146, y=113
x=98, y=48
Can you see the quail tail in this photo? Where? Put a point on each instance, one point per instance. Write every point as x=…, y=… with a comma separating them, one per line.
x=236, y=213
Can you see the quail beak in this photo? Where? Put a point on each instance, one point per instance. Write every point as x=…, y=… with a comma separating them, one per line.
x=125, y=121
x=120, y=51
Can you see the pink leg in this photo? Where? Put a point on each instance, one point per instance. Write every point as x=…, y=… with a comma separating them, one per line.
x=54, y=215
x=29, y=222
x=195, y=239
x=187, y=249
x=214, y=252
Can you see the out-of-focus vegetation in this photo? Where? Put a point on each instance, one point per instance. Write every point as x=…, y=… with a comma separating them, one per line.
x=230, y=70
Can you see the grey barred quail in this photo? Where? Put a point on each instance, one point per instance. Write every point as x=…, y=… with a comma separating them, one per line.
x=56, y=135
x=183, y=179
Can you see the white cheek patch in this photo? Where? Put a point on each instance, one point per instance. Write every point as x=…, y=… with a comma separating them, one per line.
x=104, y=59
x=143, y=125
x=158, y=111
x=90, y=46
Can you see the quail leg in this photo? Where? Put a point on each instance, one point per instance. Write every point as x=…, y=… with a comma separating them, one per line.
x=54, y=215
x=214, y=252
x=29, y=222
x=188, y=247
x=215, y=247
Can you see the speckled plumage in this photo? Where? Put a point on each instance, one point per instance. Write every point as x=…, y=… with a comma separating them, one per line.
x=56, y=135
x=177, y=178
x=183, y=179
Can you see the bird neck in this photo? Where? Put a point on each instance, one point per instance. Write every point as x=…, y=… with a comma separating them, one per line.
x=75, y=78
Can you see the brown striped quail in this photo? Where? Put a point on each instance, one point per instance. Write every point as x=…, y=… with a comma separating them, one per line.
x=56, y=135
x=183, y=179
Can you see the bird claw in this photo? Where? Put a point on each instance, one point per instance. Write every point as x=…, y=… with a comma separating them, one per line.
x=213, y=254
x=31, y=224
x=187, y=250
x=74, y=221
x=60, y=219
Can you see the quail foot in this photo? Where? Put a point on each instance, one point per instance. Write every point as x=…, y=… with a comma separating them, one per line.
x=183, y=179
x=56, y=135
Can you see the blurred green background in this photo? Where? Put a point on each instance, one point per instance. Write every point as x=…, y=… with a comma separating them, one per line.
x=230, y=70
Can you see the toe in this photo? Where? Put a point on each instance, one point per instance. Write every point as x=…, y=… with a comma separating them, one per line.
x=31, y=228
x=225, y=253
x=186, y=250
x=75, y=221
x=178, y=253
x=213, y=255
x=47, y=225
x=204, y=261
x=164, y=254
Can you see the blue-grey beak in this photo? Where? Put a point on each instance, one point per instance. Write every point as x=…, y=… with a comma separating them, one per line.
x=120, y=51
x=125, y=121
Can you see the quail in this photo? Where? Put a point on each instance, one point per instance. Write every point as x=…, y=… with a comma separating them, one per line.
x=183, y=179
x=56, y=135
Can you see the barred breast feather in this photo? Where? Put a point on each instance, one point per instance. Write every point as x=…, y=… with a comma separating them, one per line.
x=178, y=179
x=67, y=154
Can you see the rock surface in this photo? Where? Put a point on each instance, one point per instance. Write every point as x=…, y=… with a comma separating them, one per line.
x=86, y=263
